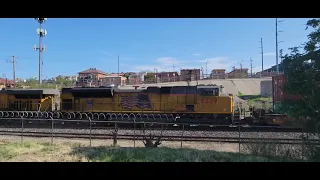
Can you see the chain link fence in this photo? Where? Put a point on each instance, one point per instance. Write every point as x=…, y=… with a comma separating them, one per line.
x=257, y=140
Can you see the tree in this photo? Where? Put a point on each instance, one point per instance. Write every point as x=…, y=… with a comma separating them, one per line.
x=149, y=77
x=302, y=68
x=65, y=82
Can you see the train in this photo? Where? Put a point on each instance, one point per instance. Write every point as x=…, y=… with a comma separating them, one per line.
x=200, y=103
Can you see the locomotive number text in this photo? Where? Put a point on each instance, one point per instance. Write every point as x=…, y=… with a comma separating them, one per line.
x=208, y=101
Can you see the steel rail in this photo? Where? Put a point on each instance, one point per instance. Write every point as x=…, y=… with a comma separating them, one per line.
x=84, y=123
x=163, y=137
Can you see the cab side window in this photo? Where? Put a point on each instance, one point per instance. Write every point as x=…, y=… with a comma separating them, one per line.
x=209, y=92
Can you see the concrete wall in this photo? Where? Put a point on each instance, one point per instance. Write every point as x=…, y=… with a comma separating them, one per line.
x=266, y=88
x=250, y=86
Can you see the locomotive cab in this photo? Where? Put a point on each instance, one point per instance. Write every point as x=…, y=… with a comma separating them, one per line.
x=210, y=90
x=212, y=102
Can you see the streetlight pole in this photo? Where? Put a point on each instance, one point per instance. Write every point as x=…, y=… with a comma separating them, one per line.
x=41, y=32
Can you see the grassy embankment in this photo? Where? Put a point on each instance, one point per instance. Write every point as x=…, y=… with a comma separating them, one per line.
x=257, y=101
x=42, y=152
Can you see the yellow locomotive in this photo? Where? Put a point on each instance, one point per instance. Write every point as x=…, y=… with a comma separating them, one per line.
x=186, y=103
x=28, y=99
x=201, y=103
x=28, y=102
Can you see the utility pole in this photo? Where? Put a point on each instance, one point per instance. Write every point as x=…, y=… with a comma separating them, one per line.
x=207, y=69
x=13, y=61
x=41, y=32
x=261, y=46
x=241, y=68
x=119, y=80
x=277, y=44
x=118, y=66
x=202, y=72
x=251, y=66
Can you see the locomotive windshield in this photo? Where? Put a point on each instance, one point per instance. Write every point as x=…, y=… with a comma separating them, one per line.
x=209, y=91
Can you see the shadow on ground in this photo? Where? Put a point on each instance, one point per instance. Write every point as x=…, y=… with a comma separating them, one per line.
x=128, y=154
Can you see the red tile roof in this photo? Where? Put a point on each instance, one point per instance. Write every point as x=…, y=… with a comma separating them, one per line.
x=93, y=70
x=4, y=81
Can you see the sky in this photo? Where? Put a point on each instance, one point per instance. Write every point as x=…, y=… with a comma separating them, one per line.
x=167, y=44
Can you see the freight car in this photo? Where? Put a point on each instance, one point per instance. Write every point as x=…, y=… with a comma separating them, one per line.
x=279, y=96
x=201, y=104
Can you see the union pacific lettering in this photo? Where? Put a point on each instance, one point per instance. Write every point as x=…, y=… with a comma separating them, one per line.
x=209, y=101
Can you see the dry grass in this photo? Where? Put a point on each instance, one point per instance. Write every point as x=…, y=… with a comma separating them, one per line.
x=37, y=152
x=41, y=150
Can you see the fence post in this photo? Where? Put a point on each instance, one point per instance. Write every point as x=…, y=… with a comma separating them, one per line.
x=182, y=136
x=90, y=131
x=239, y=137
x=134, y=133
x=22, y=129
x=115, y=134
x=52, y=122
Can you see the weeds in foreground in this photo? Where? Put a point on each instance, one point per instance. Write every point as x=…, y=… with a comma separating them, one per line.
x=305, y=151
x=42, y=152
x=106, y=154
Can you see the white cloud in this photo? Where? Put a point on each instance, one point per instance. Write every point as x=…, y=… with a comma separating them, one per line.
x=195, y=54
x=170, y=63
x=161, y=64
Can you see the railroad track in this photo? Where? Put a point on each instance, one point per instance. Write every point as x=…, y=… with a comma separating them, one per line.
x=163, y=137
x=104, y=124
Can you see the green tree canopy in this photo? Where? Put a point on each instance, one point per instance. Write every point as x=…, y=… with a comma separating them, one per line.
x=302, y=68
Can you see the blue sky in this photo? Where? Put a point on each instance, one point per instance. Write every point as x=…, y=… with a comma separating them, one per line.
x=77, y=44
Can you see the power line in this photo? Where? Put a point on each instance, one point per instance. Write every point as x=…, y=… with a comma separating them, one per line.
x=13, y=61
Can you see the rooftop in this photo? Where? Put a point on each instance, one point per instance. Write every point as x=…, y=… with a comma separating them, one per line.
x=93, y=70
x=195, y=69
x=32, y=91
x=4, y=81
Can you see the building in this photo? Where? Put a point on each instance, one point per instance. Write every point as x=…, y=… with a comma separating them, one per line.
x=117, y=74
x=137, y=78
x=90, y=77
x=272, y=71
x=190, y=74
x=218, y=74
x=266, y=88
x=113, y=80
x=161, y=77
x=19, y=80
x=4, y=83
x=238, y=73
